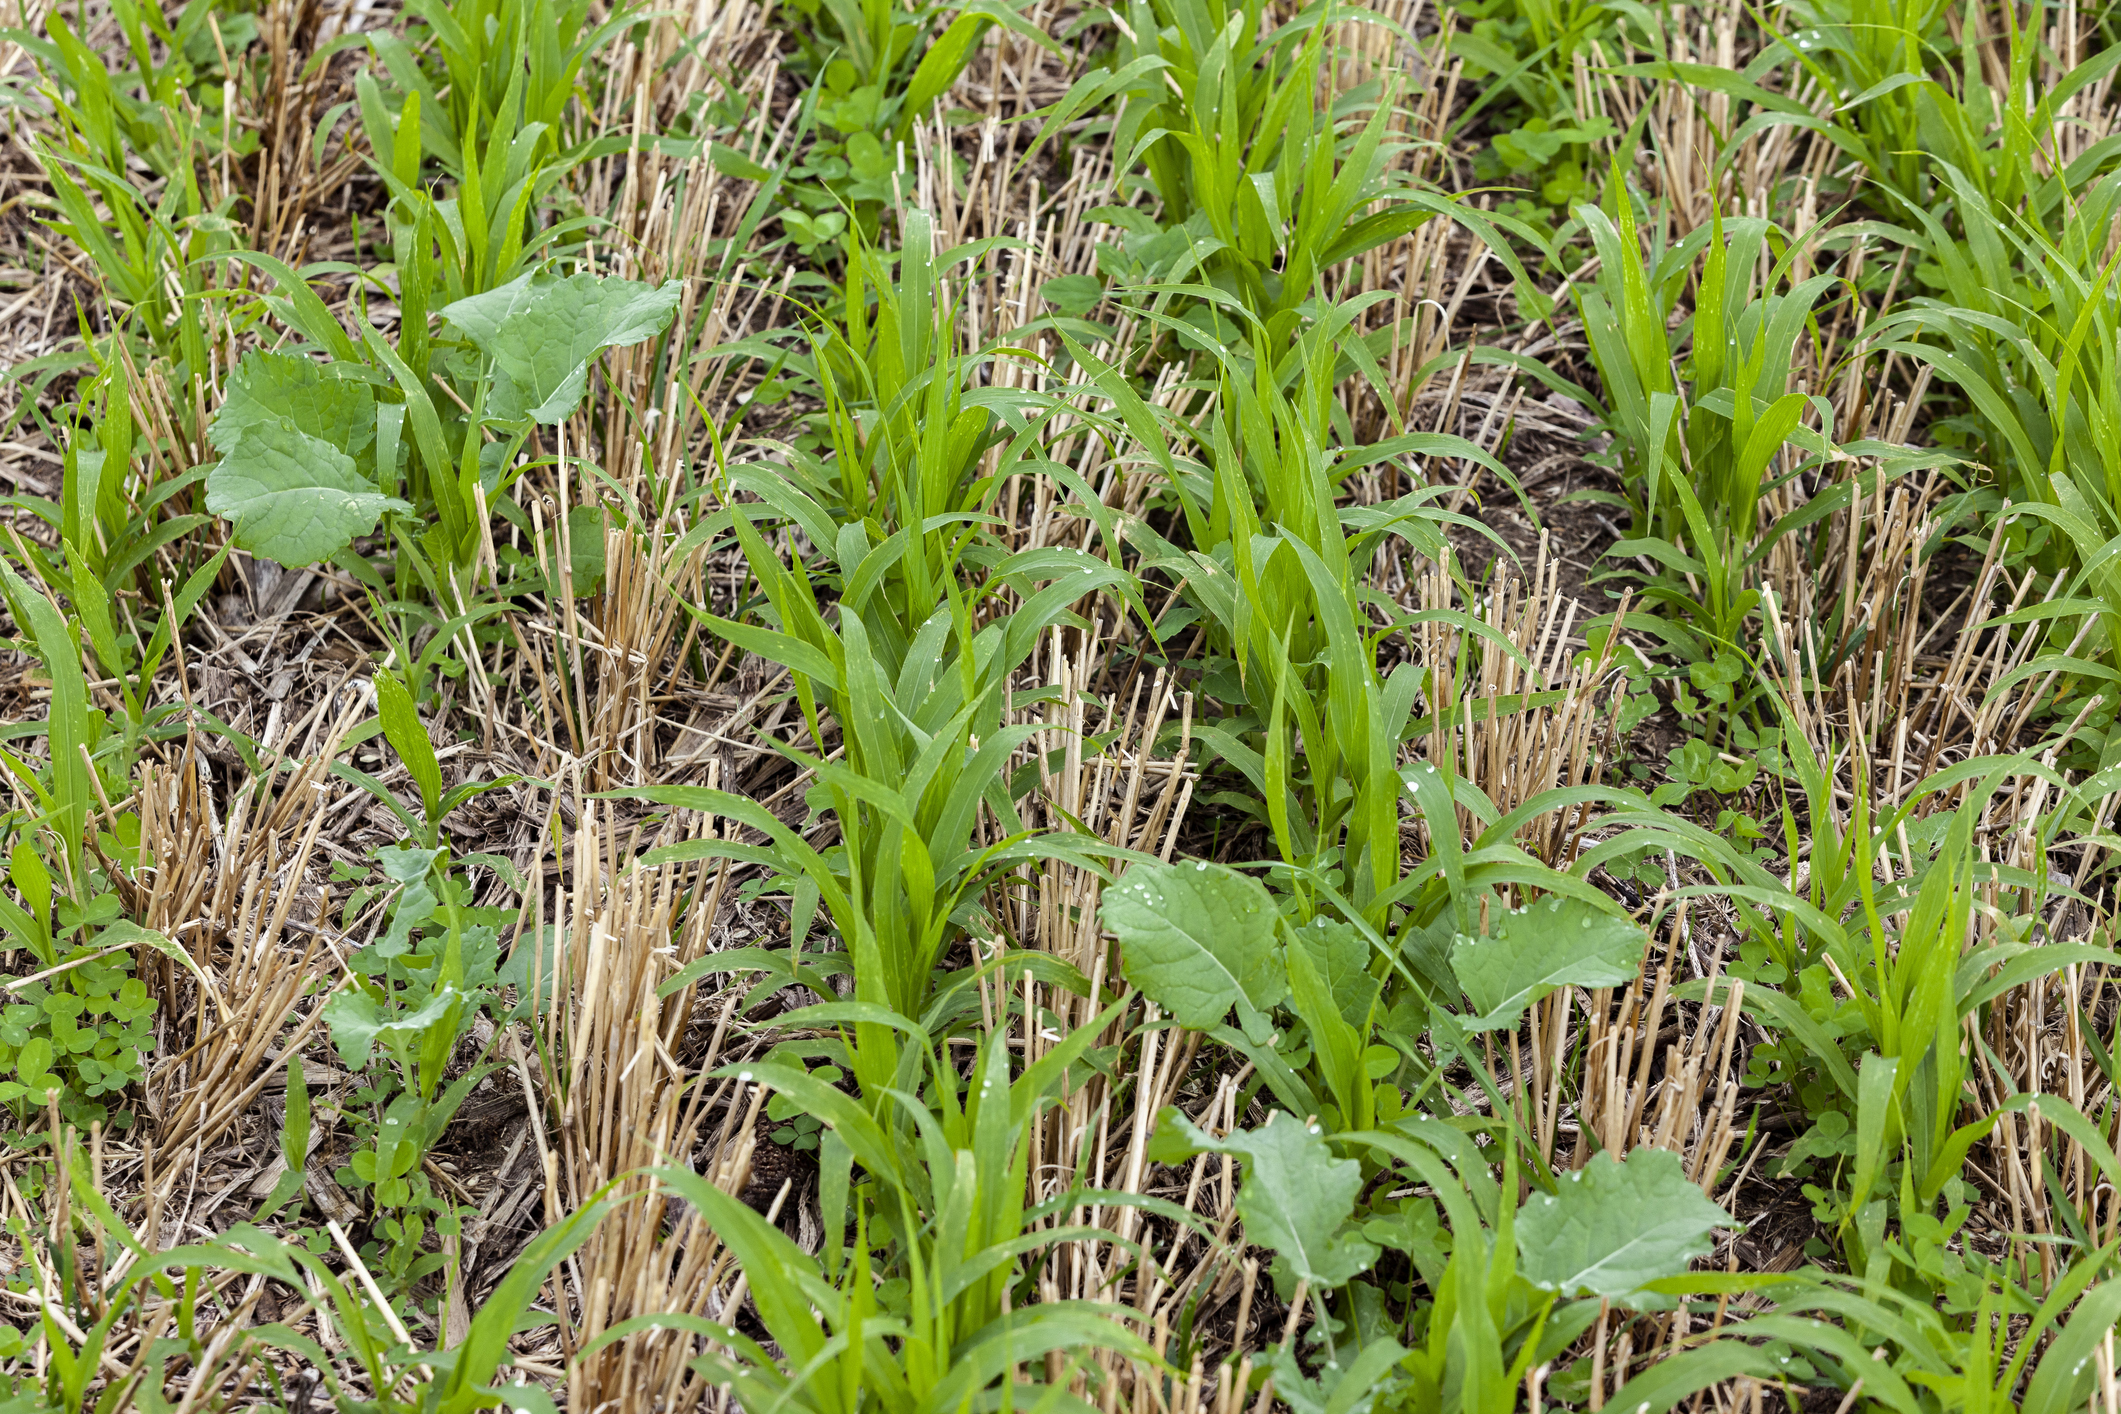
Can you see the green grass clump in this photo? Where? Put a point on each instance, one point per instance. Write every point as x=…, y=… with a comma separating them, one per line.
x=914, y=819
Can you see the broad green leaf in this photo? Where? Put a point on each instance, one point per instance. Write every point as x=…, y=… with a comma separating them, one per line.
x=539, y=952
x=407, y=735
x=269, y=386
x=294, y=498
x=1531, y=951
x=1341, y=956
x=1294, y=1195
x=1073, y=295
x=543, y=331
x=586, y=535
x=1612, y=1227
x=358, y=1021
x=1194, y=938
x=1336, y=1045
